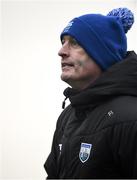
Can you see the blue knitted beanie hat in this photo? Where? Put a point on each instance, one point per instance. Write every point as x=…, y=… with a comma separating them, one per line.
x=102, y=37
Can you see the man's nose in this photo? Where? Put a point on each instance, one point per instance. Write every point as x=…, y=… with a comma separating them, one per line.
x=64, y=50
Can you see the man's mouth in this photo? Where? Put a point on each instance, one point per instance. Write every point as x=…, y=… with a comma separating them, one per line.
x=67, y=65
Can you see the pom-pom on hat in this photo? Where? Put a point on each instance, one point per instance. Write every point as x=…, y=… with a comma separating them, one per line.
x=102, y=37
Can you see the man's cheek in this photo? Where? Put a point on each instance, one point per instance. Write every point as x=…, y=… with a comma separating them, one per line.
x=80, y=63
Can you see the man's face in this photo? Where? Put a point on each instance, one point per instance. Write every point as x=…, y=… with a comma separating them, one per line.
x=78, y=69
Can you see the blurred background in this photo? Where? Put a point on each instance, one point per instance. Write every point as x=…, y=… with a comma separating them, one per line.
x=30, y=86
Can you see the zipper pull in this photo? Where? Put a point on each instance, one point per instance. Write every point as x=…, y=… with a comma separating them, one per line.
x=64, y=103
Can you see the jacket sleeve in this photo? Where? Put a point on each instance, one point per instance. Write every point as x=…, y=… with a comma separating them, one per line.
x=123, y=143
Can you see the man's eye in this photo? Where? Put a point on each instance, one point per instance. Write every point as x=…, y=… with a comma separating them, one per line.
x=62, y=41
x=74, y=42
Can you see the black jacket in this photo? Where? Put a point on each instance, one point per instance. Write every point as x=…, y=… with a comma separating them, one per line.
x=96, y=135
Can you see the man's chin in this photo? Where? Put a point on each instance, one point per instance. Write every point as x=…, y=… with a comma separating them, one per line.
x=65, y=78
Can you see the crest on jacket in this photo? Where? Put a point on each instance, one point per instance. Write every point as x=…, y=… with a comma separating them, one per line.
x=84, y=152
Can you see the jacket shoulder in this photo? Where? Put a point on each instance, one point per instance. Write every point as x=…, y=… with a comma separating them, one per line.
x=122, y=109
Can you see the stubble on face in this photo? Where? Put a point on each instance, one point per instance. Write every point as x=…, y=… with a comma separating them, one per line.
x=79, y=72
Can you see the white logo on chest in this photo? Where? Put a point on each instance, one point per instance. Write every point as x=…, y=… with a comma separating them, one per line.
x=84, y=152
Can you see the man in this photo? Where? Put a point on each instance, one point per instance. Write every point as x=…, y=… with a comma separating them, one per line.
x=96, y=135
